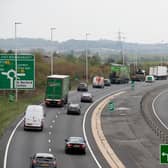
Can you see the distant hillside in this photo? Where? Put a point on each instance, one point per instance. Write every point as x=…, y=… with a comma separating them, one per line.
x=100, y=46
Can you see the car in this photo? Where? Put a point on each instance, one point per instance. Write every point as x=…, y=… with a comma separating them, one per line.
x=74, y=108
x=107, y=82
x=87, y=97
x=34, y=117
x=45, y=160
x=82, y=87
x=75, y=144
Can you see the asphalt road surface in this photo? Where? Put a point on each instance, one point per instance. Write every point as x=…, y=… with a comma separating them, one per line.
x=58, y=126
x=161, y=107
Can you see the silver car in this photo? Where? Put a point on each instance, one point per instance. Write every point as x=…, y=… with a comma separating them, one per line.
x=74, y=108
x=87, y=97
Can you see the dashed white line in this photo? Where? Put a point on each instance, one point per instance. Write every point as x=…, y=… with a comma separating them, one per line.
x=49, y=149
x=53, y=121
x=56, y=116
x=49, y=133
x=49, y=141
x=51, y=126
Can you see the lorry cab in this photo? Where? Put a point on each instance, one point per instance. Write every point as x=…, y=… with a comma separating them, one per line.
x=34, y=117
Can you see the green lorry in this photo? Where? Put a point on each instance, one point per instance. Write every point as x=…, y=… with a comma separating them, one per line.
x=119, y=74
x=57, y=90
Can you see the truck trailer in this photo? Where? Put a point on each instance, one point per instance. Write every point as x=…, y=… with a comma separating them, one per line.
x=119, y=74
x=57, y=89
x=159, y=72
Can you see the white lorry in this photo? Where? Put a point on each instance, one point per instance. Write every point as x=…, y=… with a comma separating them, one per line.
x=98, y=82
x=159, y=72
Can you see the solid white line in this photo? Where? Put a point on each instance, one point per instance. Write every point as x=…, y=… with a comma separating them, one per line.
x=9, y=141
x=84, y=121
x=154, y=111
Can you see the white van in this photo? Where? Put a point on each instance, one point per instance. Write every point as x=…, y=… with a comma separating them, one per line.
x=149, y=78
x=34, y=117
x=98, y=82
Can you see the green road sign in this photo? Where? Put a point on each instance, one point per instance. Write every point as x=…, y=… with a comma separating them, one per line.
x=111, y=106
x=164, y=153
x=25, y=72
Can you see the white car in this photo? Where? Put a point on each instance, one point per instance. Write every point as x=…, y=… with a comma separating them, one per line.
x=34, y=117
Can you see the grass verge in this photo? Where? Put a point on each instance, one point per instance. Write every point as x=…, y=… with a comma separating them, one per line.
x=9, y=111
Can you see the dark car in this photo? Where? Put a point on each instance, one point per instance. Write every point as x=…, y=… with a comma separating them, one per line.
x=75, y=144
x=87, y=97
x=107, y=82
x=82, y=87
x=45, y=160
x=74, y=108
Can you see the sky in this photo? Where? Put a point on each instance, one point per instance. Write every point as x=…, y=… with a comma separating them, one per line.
x=143, y=21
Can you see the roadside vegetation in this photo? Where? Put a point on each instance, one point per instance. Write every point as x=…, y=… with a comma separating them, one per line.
x=63, y=64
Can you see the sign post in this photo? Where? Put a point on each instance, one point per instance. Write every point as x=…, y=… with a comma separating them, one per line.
x=24, y=78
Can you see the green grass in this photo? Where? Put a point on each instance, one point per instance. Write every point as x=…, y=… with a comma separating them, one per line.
x=9, y=111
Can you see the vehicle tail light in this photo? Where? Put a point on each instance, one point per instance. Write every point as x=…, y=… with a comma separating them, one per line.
x=54, y=163
x=69, y=145
x=59, y=102
x=34, y=161
x=83, y=146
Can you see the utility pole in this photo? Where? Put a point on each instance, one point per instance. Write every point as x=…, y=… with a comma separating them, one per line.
x=52, y=62
x=120, y=38
x=87, y=57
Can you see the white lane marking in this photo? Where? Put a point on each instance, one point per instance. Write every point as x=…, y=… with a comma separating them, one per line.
x=84, y=120
x=49, y=141
x=9, y=141
x=49, y=149
x=49, y=133
x=56, y=116
x=53, y=121
x=154, y=111
x=59, y=112
x=51, y=126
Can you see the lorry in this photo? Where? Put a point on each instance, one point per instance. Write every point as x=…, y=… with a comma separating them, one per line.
x=98, y=82
x=119, y=74
x=159, y=72
x=138, y=75
x=57, y=89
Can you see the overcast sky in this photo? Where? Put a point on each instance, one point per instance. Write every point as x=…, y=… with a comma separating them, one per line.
x=144, y=21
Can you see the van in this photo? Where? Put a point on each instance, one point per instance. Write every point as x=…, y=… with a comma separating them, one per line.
x=34, y=117
x=98, y=82
x=149, y=78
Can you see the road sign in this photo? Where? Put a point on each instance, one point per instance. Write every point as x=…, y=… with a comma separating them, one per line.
x=111, y=106
x=164, y=153
x=25, y=72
